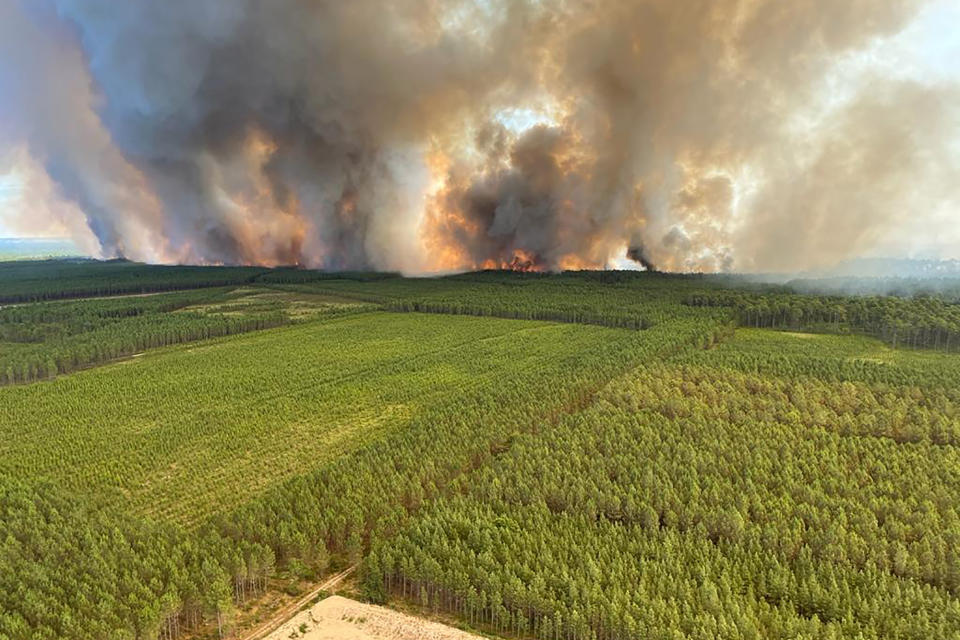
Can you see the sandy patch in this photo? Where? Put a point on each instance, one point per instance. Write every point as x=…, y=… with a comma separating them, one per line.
x=339, y=618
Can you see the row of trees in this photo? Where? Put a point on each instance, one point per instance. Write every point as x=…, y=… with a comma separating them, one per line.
x=123, y=339
x=640, y=300
x=31, y=281
x=286, y=275
x=59, y=337
x=45, y=321
x=630, y=302
x=916, y=322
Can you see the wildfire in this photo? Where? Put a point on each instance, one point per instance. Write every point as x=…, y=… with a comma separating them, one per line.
x=574, y=262
x=523, y=261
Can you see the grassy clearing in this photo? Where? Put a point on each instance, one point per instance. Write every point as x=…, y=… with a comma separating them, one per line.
x=297, y=306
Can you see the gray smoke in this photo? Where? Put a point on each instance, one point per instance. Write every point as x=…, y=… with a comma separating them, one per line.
x=373, y=134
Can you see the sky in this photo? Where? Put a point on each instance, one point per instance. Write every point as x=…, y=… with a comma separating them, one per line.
x=925, y=52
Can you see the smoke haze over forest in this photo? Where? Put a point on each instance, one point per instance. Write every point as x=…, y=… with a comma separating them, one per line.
x=435, y=136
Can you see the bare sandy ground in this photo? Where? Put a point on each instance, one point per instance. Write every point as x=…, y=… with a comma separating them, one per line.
x=339, y=618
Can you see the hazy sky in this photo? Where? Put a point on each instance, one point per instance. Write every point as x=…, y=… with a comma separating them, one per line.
x=926, y=52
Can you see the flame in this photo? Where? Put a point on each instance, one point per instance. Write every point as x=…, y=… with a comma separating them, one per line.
x=573, y=262
x=524, y=261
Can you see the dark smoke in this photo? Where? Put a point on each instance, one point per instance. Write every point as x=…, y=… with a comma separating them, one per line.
x=638, y=255
x=686, y=135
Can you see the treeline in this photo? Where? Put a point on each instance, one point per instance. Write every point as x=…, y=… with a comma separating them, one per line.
x=579, y=314
x=59, y=337
x=32, y=281
x=614, y=299
x=154, y=581
x=123, y=339
x=610, y=298
x=916, y=322
x=702, y=503
x=43, y=321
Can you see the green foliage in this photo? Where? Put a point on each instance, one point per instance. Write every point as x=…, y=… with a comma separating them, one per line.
x=652, y=476
x=916, y=322
x=181, y=433
x=72, y=570
x=296, y=276
x=613, y=299
x=30, y=281
x=39, y=341
x=835, y=359
x=708, y=502
x=442, y=395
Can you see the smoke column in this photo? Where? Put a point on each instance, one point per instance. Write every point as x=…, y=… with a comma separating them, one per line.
x=432, y=136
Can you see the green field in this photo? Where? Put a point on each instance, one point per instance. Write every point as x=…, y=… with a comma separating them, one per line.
x=585, y=456
x=187, y=431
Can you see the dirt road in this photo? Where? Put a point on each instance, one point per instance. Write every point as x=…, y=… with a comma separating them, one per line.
x=288, y=611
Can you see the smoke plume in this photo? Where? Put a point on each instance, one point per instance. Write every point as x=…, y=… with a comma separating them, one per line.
x=432, y=136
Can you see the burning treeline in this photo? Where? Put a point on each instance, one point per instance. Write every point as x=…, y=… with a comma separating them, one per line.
x=428, y=136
